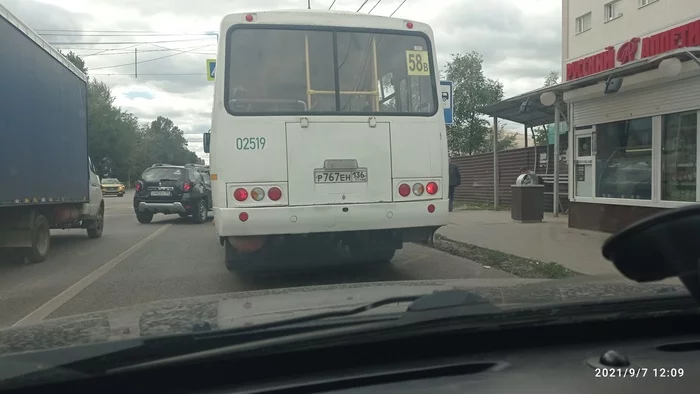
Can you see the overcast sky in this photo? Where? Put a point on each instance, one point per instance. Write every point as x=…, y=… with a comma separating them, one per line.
x=519, y=39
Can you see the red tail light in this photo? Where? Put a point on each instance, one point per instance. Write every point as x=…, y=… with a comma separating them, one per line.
x=138, y=186
x=187, y=187
x=240, y=194
x=404, y=190
x=274, y=193
x=431, y=188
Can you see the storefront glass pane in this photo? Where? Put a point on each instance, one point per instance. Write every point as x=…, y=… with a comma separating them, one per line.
x=623, y=159
x=679, y=156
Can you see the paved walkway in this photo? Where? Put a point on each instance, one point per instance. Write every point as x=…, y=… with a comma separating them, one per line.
x=552, y=240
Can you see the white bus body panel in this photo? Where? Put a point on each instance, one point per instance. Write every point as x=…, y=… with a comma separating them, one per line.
x=397, y=149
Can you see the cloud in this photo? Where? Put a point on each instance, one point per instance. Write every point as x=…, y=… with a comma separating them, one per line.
x=520, y=41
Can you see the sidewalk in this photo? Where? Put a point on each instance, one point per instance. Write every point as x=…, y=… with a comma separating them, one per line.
x=549, y=241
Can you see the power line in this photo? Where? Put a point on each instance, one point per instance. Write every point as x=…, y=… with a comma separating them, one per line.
x=363, y=4
x=125, y=42
x=375, y=6
x=397, y=8
x=331, y=5
x=152, y=74
x=124, y=34
x=146, y=61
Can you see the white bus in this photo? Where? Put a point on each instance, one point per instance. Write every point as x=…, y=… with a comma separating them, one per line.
x=326, y=126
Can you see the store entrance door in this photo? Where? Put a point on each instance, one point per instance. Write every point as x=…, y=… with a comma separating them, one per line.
x=584, y=154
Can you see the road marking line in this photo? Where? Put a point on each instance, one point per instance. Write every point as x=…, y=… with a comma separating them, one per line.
x=41, y=312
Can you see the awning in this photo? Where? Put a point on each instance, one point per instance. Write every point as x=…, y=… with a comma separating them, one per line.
x=539, y=114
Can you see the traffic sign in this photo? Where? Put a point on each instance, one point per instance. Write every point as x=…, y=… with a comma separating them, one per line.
x=447, y=100
x=211, y=69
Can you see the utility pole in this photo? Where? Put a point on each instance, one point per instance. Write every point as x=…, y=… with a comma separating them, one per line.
x=136, y=63
x=308, y=3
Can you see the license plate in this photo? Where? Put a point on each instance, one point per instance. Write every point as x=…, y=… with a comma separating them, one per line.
x=350, y=176
x=160, y=193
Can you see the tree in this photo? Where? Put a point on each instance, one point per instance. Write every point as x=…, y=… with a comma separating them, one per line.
x=118, y=144
x=505, y=140
x=551, y=79
x=471, y=90
x=76, y=60
x=539, y=134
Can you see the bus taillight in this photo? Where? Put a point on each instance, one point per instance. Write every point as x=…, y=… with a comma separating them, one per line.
x=418, y=189
x=257, y=194
x=431, y=187
x=404, y=190
x=274, y=193
x=409, y=25
x=240, y=194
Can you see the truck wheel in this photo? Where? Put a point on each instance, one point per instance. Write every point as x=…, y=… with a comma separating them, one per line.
x=144, y=217
x=201, y=215
x=97, y=225
x=41, y=240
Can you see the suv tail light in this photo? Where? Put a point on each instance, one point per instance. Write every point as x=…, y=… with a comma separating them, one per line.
x=431, y=188
x=187, y=187
x=274, y=193
x=240, y=194
x=138, y=186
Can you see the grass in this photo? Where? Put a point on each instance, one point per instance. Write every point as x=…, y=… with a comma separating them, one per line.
x=516, y=265
x=476, y=206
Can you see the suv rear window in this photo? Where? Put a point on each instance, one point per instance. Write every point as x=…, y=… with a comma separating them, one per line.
x=160, y=173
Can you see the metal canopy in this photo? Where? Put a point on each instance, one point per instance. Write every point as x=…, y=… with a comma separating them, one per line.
x=509, y=109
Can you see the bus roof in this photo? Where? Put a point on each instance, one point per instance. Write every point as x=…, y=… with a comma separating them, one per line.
x=316, y=18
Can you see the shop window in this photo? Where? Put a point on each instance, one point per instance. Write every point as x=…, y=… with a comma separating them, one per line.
x=623, y=159
x=679, y=156
x=583, y=23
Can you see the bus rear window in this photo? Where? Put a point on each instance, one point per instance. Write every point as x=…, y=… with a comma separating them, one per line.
x=295, y=71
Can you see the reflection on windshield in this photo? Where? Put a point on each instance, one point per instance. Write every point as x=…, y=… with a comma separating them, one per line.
x=110, y=181
x=156, y=174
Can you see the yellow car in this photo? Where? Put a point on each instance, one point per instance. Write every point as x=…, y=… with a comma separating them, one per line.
x=112, y=186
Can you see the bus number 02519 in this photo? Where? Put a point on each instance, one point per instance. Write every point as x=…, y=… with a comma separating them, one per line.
x=250, y=143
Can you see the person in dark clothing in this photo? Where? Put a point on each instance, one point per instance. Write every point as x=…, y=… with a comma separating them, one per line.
x=455, y=180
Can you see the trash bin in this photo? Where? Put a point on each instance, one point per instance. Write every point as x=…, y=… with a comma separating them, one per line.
x=527, y=199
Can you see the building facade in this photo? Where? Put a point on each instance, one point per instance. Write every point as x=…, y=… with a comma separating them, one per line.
x=634, y=149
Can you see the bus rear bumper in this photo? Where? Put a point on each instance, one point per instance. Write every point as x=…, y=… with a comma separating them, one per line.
x=329, y=218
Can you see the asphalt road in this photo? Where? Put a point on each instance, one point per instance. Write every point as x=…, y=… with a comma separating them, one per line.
x=172, y=258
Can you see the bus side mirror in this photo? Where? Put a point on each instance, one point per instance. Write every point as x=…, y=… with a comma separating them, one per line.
x=206, y=138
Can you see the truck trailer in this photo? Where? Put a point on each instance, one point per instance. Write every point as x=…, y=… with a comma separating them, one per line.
x=48, y=181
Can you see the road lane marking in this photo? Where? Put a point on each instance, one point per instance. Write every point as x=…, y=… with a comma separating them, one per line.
x=43, y=311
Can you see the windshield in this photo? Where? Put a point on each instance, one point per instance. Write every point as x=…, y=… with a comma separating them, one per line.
x=178, y=167
x=163, y=173
x=344, y=72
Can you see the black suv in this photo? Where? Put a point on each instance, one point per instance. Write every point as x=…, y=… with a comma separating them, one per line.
x=165, y=188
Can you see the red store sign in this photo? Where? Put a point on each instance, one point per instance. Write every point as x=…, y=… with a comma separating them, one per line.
x=687, y=35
